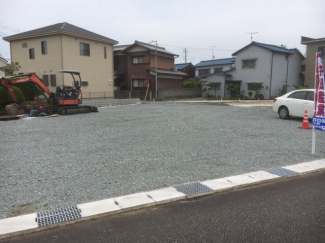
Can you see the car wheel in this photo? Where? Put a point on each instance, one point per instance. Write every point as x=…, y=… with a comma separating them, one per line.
x=283, y=113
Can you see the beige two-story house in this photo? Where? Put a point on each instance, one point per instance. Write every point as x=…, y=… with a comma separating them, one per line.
x=3, y=64
x=313, y=46
x=63, y=46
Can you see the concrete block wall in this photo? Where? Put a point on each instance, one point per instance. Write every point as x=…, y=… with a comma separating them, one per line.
x=110, y=102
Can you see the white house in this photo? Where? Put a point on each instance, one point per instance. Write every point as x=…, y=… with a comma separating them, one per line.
x=214, y=71
x=271, y=66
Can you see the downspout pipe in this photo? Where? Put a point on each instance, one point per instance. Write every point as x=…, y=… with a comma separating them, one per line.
x=287, y=72
x=271, y=75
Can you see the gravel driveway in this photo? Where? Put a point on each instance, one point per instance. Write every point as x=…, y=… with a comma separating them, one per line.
x=47, y=163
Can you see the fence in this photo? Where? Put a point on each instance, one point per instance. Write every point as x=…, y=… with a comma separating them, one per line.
x=110, y=101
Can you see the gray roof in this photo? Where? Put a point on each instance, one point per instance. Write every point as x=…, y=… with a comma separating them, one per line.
x=181, y=66
x=120, y=47
x=215, y=62
x=61, y=28
x=167, y=71
x=3, y=59
x=150, y=47
x=272, y=48
x=305, y=40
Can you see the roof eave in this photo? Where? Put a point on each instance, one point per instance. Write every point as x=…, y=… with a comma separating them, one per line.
x=113, y=42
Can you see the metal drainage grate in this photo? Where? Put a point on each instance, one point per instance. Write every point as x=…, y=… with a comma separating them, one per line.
x=281, y=172
x=58, y=216
x=193, y=188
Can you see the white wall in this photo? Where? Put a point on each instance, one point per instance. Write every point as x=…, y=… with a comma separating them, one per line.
x=259, y=74
x=214, y=78
x=295, y=62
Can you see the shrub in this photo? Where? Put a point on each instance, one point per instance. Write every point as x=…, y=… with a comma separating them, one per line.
x=258, y=95
x=29, y=90
x=4, y=96
x=190, y=83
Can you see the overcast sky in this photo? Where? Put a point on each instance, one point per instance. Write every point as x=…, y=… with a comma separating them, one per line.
x=205, y=28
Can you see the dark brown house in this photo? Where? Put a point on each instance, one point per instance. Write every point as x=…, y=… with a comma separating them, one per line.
x=187, y=68
x=135, y=68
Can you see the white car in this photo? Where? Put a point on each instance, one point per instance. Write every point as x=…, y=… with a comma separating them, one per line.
x=295, y=103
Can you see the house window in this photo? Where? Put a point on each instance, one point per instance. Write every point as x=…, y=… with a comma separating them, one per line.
x=218, y=70
x=84, y=49
x=44, y=47
x=137, y=60
x=53, y=79
x=46, y=80
x=105, y=52
x=31, y=53
x=204, y=72
x=24, y=45
x=321, y=49
x=249, y=63
x=138, y=83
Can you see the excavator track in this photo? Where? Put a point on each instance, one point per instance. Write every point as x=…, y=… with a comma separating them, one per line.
x=69, y=110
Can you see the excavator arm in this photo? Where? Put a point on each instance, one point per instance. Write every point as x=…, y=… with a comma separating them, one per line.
x=7, y=83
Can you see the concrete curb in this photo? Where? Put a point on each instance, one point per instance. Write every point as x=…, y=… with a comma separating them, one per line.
x=51, y=218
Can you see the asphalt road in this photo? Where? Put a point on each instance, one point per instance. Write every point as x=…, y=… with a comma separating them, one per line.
x=47, y=163
x=289, y=210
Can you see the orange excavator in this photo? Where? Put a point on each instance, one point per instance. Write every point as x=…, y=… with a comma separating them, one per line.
x=66, y=99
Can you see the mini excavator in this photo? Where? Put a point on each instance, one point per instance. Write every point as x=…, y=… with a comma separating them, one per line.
x=66, y=99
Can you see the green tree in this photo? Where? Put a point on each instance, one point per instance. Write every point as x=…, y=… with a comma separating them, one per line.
x=190, y=83
x=256, y=87
x=12, y=69
x=234, y=90
x=215, y=87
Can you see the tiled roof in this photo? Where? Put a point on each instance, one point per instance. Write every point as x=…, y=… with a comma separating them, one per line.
x=167, y=71
x=181, y=66
x=120, y=47
x=62, y=28
x=151, y=47
x=215, y=62
x=272, y=48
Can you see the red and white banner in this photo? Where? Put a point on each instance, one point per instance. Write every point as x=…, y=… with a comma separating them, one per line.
x=319, y=115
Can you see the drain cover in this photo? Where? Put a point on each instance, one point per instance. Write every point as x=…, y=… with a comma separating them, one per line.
x=57, y=216
x=193, y=188
x=281, y=172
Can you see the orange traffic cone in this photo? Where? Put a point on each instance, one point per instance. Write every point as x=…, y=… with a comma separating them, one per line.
x=305, y=123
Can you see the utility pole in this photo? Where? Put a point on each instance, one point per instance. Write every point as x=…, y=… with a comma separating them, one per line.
x=185, y=51
x=213, y=52
x=156, y=70
x=252, y=33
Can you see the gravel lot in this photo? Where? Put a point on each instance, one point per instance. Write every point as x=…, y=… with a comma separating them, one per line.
x=61, y=161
